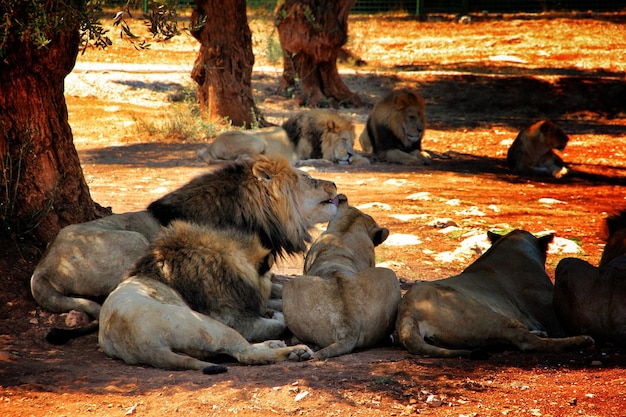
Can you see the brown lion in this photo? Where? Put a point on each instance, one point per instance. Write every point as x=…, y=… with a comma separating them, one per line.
x=198, y=292
x=263, y=196
x=395, y=128
x=531, y=153
x=344, y=302
x=323, y=134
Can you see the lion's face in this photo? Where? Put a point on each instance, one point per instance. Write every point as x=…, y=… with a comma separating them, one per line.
x=339, y=147
x=338, y=141
x=316, y=198
x=553, y=136
x=408, y=119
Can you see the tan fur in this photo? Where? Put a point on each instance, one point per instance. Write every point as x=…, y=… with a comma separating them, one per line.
x=196, y=293
x=88, y=260
x=531, y=153
x=266, y=196
x=344, y=302
x=504, y=297
x=395, y=128
x=269, y=141
x=323, y=134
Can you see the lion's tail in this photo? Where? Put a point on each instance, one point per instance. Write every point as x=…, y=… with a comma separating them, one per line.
x=413, y=341
x=58, y=336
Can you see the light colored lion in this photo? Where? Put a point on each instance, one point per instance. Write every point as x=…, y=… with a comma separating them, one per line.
x=504, y=297
x=531, y=153
x=86, y=261
x=395, y=128
x=344, y=302
x=235, y=144
x=197, y=293
x=323, y=134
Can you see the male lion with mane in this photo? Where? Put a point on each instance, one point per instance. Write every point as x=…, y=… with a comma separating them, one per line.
x=504, y=297
x=531, y=153
x=263, y=196
x=344, y=302
x=395, y=127
x=198, y=292
x=312, y=134
x=323, y=134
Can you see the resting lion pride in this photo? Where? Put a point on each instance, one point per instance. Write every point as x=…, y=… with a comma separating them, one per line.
x=265, y=197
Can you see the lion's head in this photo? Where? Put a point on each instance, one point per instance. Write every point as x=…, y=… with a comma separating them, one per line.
x=338, y=139
x=553, y=135
x=264, y=196
x=406, y=116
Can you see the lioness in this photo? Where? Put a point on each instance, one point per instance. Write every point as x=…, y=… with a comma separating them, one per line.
x=343, y=302
x=531, y=153
x=504, y=297
x=590, y=300
x=86, y=261
x=323, y=134
x=198, y=292
x=395, y=127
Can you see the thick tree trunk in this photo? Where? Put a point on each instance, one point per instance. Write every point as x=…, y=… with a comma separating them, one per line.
x=312, y=34
x=42, y=186
x=223, y=68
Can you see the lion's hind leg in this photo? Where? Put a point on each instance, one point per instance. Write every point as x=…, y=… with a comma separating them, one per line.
x=271, y=351
x=52, y=300
x=258, y=329
x=526, y=340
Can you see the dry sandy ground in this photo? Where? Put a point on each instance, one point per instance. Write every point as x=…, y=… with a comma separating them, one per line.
x=482, y=82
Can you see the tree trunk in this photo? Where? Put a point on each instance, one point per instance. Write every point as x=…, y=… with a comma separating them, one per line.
x=42, y=186
x=223, y=68
x=312, y=34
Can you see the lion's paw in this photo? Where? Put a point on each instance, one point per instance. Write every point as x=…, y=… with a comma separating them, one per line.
x=300, y=353
x=560, y=173
x=275, y=344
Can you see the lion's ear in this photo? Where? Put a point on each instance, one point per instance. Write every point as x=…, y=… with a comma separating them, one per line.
x=264, y=169
x=331, y=125
x=379, y=235
x=493, y=237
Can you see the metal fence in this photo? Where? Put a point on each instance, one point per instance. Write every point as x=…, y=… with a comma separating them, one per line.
x=421, y=7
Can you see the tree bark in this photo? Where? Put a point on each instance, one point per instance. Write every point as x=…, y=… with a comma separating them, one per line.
x=223, y=67
x=312, y=34
x=42, y=186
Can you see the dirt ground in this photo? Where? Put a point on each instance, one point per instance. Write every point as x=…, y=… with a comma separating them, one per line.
x=482, y=82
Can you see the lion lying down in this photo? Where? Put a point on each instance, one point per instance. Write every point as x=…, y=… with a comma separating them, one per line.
x=504, y=297
x=86, y=261
x=317, y=134
x=343, y=302
x=198, y=292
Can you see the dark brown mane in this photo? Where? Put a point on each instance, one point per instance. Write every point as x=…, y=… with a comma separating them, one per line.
x=616, y=222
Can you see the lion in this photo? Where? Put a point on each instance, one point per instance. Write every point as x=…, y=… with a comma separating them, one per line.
x=197, y=293
x=504, y=297
x=323, y=134
x=590, y=300
x=395, y=128
x=343, y=302
x=531, y=153
x=265, y=196
x=86, y=261
x=236, y=144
